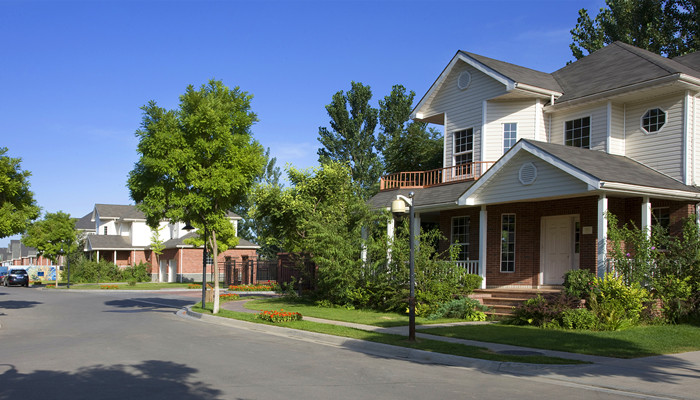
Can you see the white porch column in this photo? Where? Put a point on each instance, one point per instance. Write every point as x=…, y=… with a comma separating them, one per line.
x=482, y=245
x=363, y=232
x=115, y=257
x=646, y=216
x=98, y=256
x=602, y=234
x=389, y=238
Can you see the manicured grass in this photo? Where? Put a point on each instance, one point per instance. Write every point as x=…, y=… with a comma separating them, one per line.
x=395, y=340
x=641, y=341
x=365, y=317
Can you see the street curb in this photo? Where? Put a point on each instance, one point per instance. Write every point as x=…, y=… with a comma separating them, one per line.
x=376, y=349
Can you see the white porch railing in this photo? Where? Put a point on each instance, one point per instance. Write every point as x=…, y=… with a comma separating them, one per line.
x=469, y=266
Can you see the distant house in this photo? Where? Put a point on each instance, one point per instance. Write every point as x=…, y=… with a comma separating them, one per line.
x=534, y=161
x=121, y=236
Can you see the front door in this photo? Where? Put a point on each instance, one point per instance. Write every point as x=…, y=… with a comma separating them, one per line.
x=557, y=248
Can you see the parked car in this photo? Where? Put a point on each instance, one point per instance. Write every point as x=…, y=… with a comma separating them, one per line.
x=16, y=277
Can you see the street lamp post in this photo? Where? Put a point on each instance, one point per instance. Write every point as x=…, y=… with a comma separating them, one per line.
x=398, y=206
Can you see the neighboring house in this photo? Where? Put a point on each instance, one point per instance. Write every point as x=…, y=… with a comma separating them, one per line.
x=122, y=237
x=534, y=161
x=17, y=254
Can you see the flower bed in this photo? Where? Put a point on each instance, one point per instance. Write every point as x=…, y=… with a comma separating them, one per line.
x=109, y=287
x=229, y=297
x=251, y=288
x=279, y=316
x=194, y=286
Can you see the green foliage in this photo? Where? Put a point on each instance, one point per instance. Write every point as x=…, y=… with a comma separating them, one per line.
x=616, y=304
x=578, y=318
x=137, y=273
x=470, y=282
x=543, y=309
x=351, y=138
x=53, y=235
x=675, y=294
x=634, y=254
x=17, y=205
x=407, y=145
x=87, y=271
x=667, y=27
x=578, y=282
x=462, y=308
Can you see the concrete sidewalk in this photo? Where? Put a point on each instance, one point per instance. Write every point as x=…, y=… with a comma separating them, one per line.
x=674, y=376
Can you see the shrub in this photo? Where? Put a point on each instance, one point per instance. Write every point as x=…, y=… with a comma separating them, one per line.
x=542, y=309
x=470, y=282
x=136, y=273
x=675, y=294
x=578, y=282
x=463, y=308
x=578, y=318
x=85, y=271
x=615, y=304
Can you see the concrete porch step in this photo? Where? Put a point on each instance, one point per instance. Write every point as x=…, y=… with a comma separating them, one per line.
x=502, y=301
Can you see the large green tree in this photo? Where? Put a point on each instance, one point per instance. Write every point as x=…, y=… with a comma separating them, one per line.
x=17, y=205
x=352, y=139
x=52, y=236
x=407, y=145
x=666, y=27
x=197, y=163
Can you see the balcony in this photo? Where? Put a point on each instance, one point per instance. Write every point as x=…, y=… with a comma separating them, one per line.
x=442, y=176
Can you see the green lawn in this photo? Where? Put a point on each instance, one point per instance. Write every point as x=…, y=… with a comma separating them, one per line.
x=365, y=317
x=395, y=340
x=640, y=341
x=635, y=342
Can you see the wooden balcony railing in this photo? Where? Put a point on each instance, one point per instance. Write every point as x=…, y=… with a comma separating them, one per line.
x=423, y=179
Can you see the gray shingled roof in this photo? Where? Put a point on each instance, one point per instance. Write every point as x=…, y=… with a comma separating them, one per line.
x=616, y=66
x=691, y=60
x=611, y=168
x=172, y=243
x=108, y=211
x=85, y=223
x=109, y=242
x=423, y=197
x=519, y=74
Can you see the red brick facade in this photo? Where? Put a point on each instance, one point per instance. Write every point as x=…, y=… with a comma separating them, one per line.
x=528, y=232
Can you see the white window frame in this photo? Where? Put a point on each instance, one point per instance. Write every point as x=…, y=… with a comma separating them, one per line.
x=590, y=124
x=105, y=230
x=509, y=141
x=511, y=257
x=467, y=152
x=641, y=121
x=464, y=246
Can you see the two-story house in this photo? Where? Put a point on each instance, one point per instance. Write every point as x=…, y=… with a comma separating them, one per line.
x=121, y=236
x=534, y=161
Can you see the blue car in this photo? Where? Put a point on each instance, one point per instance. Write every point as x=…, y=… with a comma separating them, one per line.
x=16, y=277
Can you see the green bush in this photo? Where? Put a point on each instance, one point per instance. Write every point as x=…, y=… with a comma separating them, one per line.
x=137, y=273
x=675, y=295
x=615, y=304
x=578, y=282
x=463, y=308
x=86, y=271
x=543, y=309
x=578, y=318
x=470, y=282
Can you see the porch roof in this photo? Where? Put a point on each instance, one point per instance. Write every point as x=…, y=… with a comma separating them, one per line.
x=109, y=242
x=180, y=242
x=430, y=197
x=611, y=168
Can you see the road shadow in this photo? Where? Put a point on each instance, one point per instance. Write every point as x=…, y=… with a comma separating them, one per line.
x=152, y=304
x=146, y=380
x=18, y=304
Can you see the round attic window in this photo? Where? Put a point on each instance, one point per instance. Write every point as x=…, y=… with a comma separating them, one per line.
x=527, y=174
x=464, y=79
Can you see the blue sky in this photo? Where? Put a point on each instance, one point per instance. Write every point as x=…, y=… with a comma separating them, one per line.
x=73, y=75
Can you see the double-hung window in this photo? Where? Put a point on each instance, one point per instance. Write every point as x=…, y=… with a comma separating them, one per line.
x=508, y=243
x=460, y=236
x=463, y=151
x=510, y=135
x=661, y=217
x=577, y=133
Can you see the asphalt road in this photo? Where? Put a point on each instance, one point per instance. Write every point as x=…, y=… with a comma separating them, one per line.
x=107, y=345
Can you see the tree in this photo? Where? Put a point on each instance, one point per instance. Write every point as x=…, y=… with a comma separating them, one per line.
x=157, y=246
x=17, y=205
x=53, y=236
x=197, y=163
x=351, y=138
x=407, y=145
x=666, y=27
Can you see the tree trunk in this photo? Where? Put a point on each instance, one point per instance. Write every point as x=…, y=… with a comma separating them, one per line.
x=215, y=275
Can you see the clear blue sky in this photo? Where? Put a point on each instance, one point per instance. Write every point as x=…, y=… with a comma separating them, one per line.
x=73, y=75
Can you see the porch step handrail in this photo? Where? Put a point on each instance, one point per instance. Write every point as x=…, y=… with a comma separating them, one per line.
x=440, y=176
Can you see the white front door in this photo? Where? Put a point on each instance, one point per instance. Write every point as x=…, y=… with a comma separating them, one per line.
x=557, y=248
x=163, y=271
